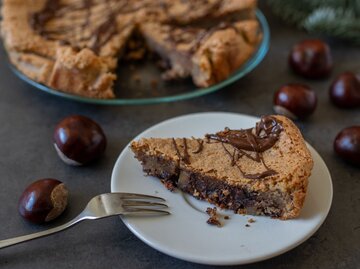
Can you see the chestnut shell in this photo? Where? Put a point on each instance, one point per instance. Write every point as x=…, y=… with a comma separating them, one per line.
x=294, y=100
x=347, y=144
x=311, y=58
x=79, y=139
x=345, y=90
x=36, y=203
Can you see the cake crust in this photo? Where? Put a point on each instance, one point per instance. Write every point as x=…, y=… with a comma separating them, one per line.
x=210, y=175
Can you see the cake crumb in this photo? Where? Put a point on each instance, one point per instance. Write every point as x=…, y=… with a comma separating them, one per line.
x=251, y=220
x=213, y=219
x=169, y=185
x=247, y=225
x=226, y=217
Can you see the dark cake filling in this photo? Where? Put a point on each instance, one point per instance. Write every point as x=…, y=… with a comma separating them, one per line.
x=213, y=190
x=231, y=197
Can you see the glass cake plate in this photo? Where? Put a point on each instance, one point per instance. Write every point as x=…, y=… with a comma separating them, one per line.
x=185, y=234
x=129, y=90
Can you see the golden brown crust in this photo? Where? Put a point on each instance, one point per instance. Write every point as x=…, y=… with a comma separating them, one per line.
x=58, y=64
x=33, y=66
x=297, y=182
x=290, y=157
x=92, y=76
x=224, y=52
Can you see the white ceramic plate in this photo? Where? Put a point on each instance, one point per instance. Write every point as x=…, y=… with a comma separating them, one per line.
x=185, y=234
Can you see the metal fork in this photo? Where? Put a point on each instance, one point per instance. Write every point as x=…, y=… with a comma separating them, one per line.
x=101, y=206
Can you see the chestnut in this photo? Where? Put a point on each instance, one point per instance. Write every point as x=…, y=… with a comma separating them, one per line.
x=296, y=101
x=345, y=90
x=79, y=140
x=347, y=144
x=43, y=200
x=311, y=58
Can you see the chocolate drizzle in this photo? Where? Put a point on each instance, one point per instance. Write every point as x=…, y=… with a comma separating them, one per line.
x=203, y=36
x=258, y=139
x=195, y=37
x=103, y=22
x=105, y=31
x=206, y=5
x=200, y=146
x=92, y=23
x=185, y=157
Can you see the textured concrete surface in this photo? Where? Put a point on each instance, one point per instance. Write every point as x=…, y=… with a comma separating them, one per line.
x=27, y=120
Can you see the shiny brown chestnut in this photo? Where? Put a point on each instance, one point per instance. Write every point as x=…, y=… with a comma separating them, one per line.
x=345, y=90
x=296, y=101
x=347, y=144
x=79, y=140
x=43, y=200
x=311, y=58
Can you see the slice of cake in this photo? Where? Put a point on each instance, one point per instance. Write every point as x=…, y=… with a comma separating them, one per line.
x=207, y=54
x=260, y=171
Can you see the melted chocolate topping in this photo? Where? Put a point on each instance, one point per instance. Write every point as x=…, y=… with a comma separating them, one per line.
x=185, y=157
x=200, y=146
x=265, y=135
x=102, y=30
x=258, y=139
x=85, y=13
x=196, y=36
x=206, y=6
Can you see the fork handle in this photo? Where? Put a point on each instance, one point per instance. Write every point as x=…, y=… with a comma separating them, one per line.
x=16, y=240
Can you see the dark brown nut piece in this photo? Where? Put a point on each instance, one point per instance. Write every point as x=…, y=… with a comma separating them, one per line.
x=43, y=200
x=347, y=144
x=345, y=90
x=311, y=59
x=296, y=101
x=79, y=140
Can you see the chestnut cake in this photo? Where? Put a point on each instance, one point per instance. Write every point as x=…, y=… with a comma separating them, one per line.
x=259, y=171
x=75, y=46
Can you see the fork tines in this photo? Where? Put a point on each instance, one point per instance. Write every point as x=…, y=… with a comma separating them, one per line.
x=133, y=211
x=126, y=195
x=143, y=204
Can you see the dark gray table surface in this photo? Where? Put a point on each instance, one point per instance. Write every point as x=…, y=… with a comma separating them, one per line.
x=28, y=117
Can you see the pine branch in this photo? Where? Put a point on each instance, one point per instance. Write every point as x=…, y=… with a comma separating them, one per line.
x=291, y=10
x=340, y=23
x=338, y=18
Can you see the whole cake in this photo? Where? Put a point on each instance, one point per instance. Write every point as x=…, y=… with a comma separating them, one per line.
x=75, y=45
x=260, y=171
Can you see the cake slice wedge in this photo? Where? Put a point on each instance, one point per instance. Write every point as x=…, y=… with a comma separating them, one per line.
x=263, y=170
